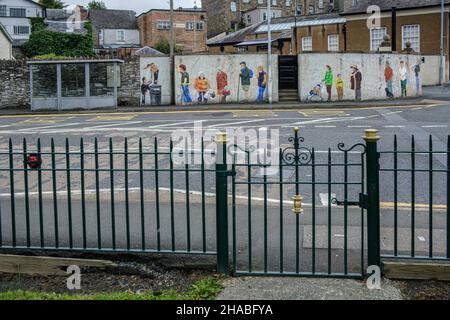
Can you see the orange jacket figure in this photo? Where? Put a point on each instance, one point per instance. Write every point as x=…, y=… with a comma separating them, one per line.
x=202, y=84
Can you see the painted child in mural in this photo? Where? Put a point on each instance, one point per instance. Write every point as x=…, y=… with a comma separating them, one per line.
x=222, y=85
x=389, y=78
x=154, y=71
x=416, y=70
x=145, y=86
x=403, y=75
x=355, y=81
x=245, y=76
x=262, y=84
x=328, y=80
x=202, y=86
x=185, y=94
x=340, y=87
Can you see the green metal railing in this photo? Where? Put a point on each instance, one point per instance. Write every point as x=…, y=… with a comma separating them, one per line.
x=105, y=196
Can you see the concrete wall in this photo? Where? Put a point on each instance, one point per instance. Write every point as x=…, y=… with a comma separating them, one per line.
x=430, y=74
x=164, y=78
x=5, y=47
x=312, y=69
x=230, y=64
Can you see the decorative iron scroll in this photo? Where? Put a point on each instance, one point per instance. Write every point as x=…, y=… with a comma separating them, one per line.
x=341, y=147
x=296, y=155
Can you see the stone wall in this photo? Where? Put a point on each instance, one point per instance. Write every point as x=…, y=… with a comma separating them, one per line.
x=14, y=84
x=129, y=91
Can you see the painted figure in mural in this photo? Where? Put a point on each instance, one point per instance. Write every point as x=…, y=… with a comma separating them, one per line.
x=340, y=87
x=245, y=76
x=328, y=80
x=154, y=71
x=389, y=78
x=262, y=83
x=145, y=86
x=222, y=85
x=202, y=85
x=403, y=74
x=315, y=93
x=416, y=70
x=185, y=94
x=355, y=80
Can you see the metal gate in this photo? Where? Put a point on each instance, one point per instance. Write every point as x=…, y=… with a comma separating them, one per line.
x=288, y=72
x=304, y=216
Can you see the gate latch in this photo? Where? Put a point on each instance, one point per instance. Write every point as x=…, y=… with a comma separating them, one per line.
x=362, y=203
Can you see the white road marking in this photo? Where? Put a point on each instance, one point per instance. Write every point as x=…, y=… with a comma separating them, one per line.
x=234, y=123
x=324, y=199
x=435, y=126
x=394, y=126
x=324, y=126
x=359, y=127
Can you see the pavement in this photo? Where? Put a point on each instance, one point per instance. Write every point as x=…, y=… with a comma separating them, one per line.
x=278, y=288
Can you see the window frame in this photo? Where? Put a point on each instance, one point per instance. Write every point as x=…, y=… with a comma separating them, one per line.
x=118, y=39
x=3, y=9
x=418, y=35
x=18, y=29
x=160, y=25
x=336, y=36
x=371, y=38
x=22, y=10
x=303, y=43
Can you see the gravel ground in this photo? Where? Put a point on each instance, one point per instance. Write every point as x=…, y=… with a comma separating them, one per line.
x=424, y=290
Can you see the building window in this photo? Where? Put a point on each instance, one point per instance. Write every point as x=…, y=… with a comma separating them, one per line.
x=376, y=38
x=163, y=25
x=264, y=16
x=354, y=3
x=21, y=30
x=249, y=19
x=233, y=6
x=299, y=10
x=411, y=33
x=288, y=3
x=333, y=42
x=2, y=11
x=189, y=26
x=311, y=10
x=307, y=44
x=199, y=26
x=274, y=2
x=120, y=36
x=260, y=1
x=17, y=12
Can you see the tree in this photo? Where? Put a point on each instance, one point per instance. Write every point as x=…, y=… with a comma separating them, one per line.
x=163, y=46
x=96, y=5
x=53, y=4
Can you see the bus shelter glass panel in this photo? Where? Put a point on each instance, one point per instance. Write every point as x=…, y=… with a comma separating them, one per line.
x=44, y=81
x=102, y=79
x=73, y=80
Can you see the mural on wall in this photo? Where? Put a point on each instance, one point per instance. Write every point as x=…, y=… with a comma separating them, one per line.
x=155, y=85
x=223, y=79
x=370, y=76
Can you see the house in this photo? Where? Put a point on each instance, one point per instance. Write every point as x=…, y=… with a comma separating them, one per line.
x=232, y=15
x=189, y=25
x=15, y=16
x=259, y=14
x=5, y=44
x=68, y=20
x=114, y=31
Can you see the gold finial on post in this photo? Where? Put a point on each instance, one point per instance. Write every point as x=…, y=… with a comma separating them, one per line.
x=221, y=137
x=371, y=135
x=298, y=207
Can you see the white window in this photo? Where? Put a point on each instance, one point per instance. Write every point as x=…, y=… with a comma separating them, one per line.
x=354, y=3
x=411, y=33
x=299, y=10
x=199, y=26
x=376, y=37
x=288, y=3
x=2, y=11
x=17, y=12
x=260, y=1
x=307, y=43
x=333, y=42
x=233, y=6
x=274, y=2
x=120, y=36
x=189, y=26
x=21, y=30
x=311, y=10
x=163, y=25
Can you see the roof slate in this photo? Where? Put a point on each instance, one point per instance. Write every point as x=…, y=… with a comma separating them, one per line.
x=388, y=4
x=113, y=19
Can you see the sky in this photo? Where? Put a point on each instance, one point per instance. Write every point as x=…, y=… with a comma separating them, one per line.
x=139, y=6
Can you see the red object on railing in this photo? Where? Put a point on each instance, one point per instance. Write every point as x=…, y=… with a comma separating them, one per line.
x=34, y=161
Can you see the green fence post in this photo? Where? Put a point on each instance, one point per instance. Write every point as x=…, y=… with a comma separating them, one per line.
x=222, y=204
x=373, y=197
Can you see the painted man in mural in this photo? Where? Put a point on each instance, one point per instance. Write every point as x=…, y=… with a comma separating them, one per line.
x=154, y=71
x=328, y=80
x=245, y=76
x=262, y=84
x=145, y=86
x=340, y=87
x=222, y=85
x=355, y=81
x=403, y=75
x=185, y=94
x=202, y=86
x=389, y=78
x=416, y=70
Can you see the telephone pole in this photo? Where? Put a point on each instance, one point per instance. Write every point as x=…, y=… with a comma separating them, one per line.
x=269, y=51
x=172, y=54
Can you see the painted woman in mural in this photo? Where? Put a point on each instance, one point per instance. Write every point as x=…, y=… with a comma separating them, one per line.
x=185, y=94
x=328, y=80
x=355, y=81
x=262, y=84
x=202, y=86
x=223, y=90
x=245, y=76
x=144, y=89
x=389, y=78
x=154, y=71
x=340, y=87
x=403, y=75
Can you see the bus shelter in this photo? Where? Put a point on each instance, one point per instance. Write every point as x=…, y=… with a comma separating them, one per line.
x=74, y=84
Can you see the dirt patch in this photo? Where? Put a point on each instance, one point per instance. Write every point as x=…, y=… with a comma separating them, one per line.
x=425, y=290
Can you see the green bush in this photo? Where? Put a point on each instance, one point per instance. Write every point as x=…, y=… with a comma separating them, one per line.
x=45, y=42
